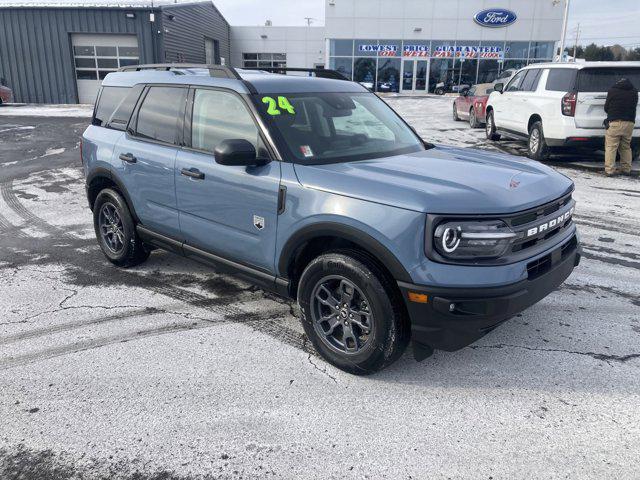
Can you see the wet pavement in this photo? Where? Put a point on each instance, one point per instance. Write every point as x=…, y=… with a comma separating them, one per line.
x=172, y=371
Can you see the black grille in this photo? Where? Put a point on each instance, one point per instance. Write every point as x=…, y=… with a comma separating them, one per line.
x=539, y=267
x=542, y=265
x=569, y=247
x=522, y=222
x=539, y=212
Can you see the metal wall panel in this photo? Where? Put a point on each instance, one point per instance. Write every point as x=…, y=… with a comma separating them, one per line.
x=184, y=30
x=36, y=58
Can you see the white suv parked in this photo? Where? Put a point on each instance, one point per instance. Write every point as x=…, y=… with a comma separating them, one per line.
x=555, y=105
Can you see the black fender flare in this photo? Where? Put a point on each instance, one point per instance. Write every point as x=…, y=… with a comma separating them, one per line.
x=346, y=232
x=101, y=172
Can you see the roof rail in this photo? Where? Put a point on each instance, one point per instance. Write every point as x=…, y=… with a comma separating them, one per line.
x=319, y=72
x=219, y=71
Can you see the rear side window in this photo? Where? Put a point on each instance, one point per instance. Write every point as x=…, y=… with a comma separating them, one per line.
x=110, y=99
x=530, y=82
x=561, y=79
x=602, y=79
x=159, y=115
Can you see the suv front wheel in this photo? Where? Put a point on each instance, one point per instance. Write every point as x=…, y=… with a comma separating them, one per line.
x=538, y=149
x=490, y=127
x=351, y=312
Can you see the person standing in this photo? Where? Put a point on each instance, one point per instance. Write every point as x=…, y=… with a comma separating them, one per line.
x=620, y=107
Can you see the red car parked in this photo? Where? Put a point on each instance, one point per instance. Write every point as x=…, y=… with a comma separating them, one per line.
x=471, y=104
x=5, y=94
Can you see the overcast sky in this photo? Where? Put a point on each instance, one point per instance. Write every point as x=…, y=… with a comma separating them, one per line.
x=601, y=21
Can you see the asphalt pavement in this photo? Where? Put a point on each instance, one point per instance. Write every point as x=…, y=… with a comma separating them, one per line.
x=172, y=371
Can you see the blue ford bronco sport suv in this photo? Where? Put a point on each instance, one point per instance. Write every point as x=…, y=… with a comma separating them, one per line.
x=316, y=189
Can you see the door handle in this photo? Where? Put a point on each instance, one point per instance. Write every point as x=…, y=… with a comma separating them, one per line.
x=128, y=157
x=192, y=173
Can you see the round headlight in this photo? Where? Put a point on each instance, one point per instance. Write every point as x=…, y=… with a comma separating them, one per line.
x=450, y=239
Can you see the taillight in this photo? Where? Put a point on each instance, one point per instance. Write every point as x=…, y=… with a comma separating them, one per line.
x=569, y=104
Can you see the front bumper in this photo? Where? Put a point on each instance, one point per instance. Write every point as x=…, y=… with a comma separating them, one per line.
x=453, y=318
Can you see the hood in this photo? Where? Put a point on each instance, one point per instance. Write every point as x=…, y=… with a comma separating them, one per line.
x=442, y=180
x=624, y=84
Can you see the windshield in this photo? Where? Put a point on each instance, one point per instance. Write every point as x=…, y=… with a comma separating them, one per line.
x=337, y=127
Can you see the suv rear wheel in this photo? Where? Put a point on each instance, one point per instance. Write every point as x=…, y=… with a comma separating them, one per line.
x=538, y=149
x=490, y=127
x=115, y=230
x=351, y=313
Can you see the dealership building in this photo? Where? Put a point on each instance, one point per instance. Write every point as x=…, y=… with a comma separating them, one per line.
x=58, y=52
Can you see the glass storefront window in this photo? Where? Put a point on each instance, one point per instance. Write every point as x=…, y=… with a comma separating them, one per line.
x=388, y=75
x=517, y=50
x=491, y=50
x=465, y=71
x=467, y=49
x=342, y=65
x=541, y=50
x=513, y=64
x=365, y=48
x=364, y=71
x=389, y=48
x=416, y=48
x=341, y=48
x=441, y=71
x=442, y=48
x=488, y=70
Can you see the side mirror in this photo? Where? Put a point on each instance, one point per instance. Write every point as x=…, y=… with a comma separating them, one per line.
x=498, y=87
x=237, y=152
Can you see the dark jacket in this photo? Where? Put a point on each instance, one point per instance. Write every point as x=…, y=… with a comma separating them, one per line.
x=622, y=100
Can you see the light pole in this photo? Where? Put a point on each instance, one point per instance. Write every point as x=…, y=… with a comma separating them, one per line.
x=564, y=26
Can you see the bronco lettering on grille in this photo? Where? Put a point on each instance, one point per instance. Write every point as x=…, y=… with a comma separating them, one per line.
x=551, y=224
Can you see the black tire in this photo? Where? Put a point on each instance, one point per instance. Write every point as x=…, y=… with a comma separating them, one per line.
x=456, y=118
x=490, y=127
x=121, y=244
x=537, y=148
x=439, y=91
x=389, y=331
x=473, y=120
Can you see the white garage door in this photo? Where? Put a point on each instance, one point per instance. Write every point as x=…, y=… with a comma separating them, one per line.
x=97, y=55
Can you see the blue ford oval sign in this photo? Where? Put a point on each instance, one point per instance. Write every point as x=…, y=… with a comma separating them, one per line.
x=495, y=17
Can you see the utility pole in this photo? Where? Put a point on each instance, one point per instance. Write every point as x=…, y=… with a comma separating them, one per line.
x=575, y=45
x=309, y=20
x=564, y=27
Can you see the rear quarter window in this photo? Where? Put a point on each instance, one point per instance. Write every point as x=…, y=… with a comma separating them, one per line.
x=561, y=79
x=109, y=100
x=602, y=79
x=161, y=110
x=120, y=117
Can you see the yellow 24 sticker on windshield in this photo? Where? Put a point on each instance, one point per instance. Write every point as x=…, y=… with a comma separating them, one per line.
x=274, y=107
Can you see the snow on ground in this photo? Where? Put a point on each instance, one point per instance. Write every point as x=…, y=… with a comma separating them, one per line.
x=30, y=110
x=170, y=370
